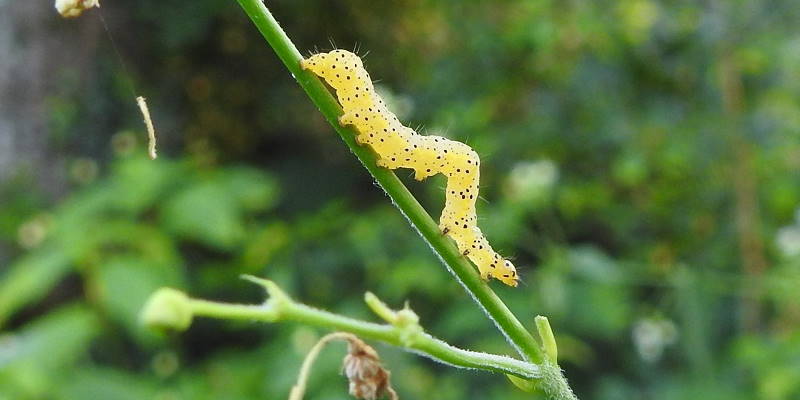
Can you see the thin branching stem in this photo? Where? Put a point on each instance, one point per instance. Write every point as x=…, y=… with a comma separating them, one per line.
x=280, y=308
x=508, y=324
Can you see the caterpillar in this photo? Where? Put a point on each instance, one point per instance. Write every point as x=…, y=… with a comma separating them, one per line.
x=398, y=146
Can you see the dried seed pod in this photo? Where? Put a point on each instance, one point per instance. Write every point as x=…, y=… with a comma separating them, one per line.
x=362, y=367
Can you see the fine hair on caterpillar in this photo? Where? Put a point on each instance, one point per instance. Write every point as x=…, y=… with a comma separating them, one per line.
x=398, y=146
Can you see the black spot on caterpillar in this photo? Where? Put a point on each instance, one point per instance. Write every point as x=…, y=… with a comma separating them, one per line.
x=398, y=146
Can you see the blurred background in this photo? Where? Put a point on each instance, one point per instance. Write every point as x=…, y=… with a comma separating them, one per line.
x=641, y=165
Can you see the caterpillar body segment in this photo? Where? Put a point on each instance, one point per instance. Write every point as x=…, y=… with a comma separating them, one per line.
x=398, y=146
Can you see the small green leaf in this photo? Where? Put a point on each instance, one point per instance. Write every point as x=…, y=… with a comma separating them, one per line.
x=526, y=385
x=206, y=213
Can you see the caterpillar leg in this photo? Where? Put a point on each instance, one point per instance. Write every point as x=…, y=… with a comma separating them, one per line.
x=360, y=140
x=360, y=119
x=485, y=275
x=316, y=63
x=348, y=118
x=386, y=163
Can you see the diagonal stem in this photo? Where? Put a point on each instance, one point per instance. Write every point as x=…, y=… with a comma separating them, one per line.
x=506, y=322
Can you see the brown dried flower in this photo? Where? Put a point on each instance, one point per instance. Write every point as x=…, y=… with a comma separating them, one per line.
x=362, y=367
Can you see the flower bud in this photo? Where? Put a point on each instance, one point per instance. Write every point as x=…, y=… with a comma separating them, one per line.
x=167, y=309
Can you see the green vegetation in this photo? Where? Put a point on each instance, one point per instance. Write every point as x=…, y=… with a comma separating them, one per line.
x=640, y=160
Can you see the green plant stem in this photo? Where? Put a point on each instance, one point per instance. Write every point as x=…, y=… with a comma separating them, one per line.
x=420, y=342
x=508, y=324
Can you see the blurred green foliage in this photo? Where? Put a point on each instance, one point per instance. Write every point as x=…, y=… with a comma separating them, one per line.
x=640, y=158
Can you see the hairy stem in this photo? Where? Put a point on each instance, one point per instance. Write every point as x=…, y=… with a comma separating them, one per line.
x=508, y=324
x=172, y=309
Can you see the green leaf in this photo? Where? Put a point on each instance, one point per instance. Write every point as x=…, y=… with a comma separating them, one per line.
x=107, y=384
x=253, y=189
x=206, y=213
x=124, y=284
x=32, y=360
x=30, y=278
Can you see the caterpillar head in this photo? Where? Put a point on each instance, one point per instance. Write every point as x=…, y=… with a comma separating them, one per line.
x=507, y=274
x=338, y=67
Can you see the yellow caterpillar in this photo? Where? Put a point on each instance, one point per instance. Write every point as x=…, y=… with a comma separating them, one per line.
x=401, y=147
